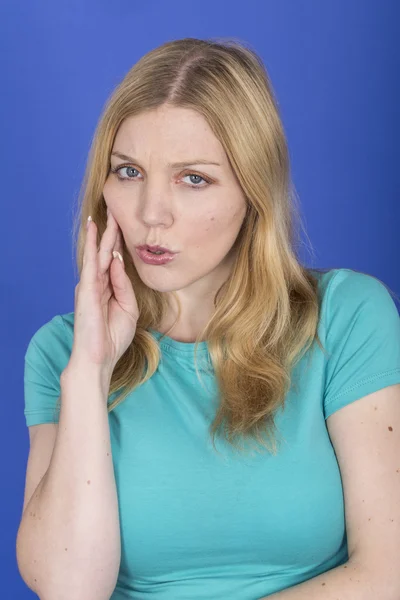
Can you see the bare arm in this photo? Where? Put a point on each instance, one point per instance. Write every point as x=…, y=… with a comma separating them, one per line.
x=68, y=543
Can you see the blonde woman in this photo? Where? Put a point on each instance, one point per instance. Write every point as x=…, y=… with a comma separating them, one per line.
x=214, y=420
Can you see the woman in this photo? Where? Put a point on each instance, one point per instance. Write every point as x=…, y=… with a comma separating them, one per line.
x=127, y=493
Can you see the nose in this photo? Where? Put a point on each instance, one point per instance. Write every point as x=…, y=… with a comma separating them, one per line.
x=156, y=206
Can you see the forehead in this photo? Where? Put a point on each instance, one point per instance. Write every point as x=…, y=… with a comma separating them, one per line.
x=176, y=132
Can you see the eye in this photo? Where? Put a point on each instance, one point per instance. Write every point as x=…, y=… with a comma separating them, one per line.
x=198, y=177
x=129, y=168
x=118, y=169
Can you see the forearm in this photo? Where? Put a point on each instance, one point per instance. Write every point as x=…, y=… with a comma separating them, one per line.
x=349, y=581
x=69, y=540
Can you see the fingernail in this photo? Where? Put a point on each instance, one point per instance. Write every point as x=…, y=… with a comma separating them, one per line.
x=117, y=255
x=88, y=221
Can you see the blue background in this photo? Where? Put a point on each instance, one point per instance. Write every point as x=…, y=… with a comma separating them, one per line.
x=335, y=68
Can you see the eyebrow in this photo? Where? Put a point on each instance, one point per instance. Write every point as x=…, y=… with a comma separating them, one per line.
x=191, y=162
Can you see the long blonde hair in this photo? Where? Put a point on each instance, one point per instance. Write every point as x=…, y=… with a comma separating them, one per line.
x=267, y=312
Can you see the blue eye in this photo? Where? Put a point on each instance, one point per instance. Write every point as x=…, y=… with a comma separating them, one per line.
x=117, y=170
x=195, y=175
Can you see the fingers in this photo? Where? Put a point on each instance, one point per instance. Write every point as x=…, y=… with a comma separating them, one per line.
x=107, y=244
x=118, y=243
x=97, y=262
x=89, y=270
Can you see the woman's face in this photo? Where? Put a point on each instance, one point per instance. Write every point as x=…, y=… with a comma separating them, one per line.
x=196, y=211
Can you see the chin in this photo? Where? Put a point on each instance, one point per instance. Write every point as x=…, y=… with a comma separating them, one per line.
x=158, y=287
x=157, y=283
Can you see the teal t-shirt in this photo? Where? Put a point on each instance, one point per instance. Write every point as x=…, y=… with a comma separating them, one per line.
x=201, y=524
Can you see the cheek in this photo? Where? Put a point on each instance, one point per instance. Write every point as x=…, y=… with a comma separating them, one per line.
x=108, y=189
x=109, y=196
x=115, y=202
x=217, y=231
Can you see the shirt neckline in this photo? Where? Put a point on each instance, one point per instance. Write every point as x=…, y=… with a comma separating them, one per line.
x=184, y=347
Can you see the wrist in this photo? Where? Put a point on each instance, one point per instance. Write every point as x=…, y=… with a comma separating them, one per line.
x=79, y=370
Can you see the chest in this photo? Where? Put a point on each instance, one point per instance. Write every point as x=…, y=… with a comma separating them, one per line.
x=185, y=506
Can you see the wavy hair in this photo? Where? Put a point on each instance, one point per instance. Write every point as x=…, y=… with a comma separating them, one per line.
x=267, y=312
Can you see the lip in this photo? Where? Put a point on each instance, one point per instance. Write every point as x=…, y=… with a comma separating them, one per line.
x=155, y=248
x=154, y=259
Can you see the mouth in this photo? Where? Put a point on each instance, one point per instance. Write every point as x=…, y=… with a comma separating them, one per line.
x=155, y=249
x=158, y=257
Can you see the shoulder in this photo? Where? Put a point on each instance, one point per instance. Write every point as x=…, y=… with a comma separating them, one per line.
x=46, y=357
x=53, y=339
x=360, y=326
x=350, y=284
x=347, y=293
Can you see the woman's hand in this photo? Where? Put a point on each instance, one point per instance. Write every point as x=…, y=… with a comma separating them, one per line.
x=106, y=311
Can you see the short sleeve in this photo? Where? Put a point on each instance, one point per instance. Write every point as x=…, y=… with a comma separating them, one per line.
x=362, y=339
x=46, y=357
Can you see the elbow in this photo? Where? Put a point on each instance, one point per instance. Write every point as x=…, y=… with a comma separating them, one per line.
x=24, y=563
x=384, y=581
x=60, y=582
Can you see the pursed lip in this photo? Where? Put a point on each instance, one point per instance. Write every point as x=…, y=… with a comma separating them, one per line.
x=155, y=248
